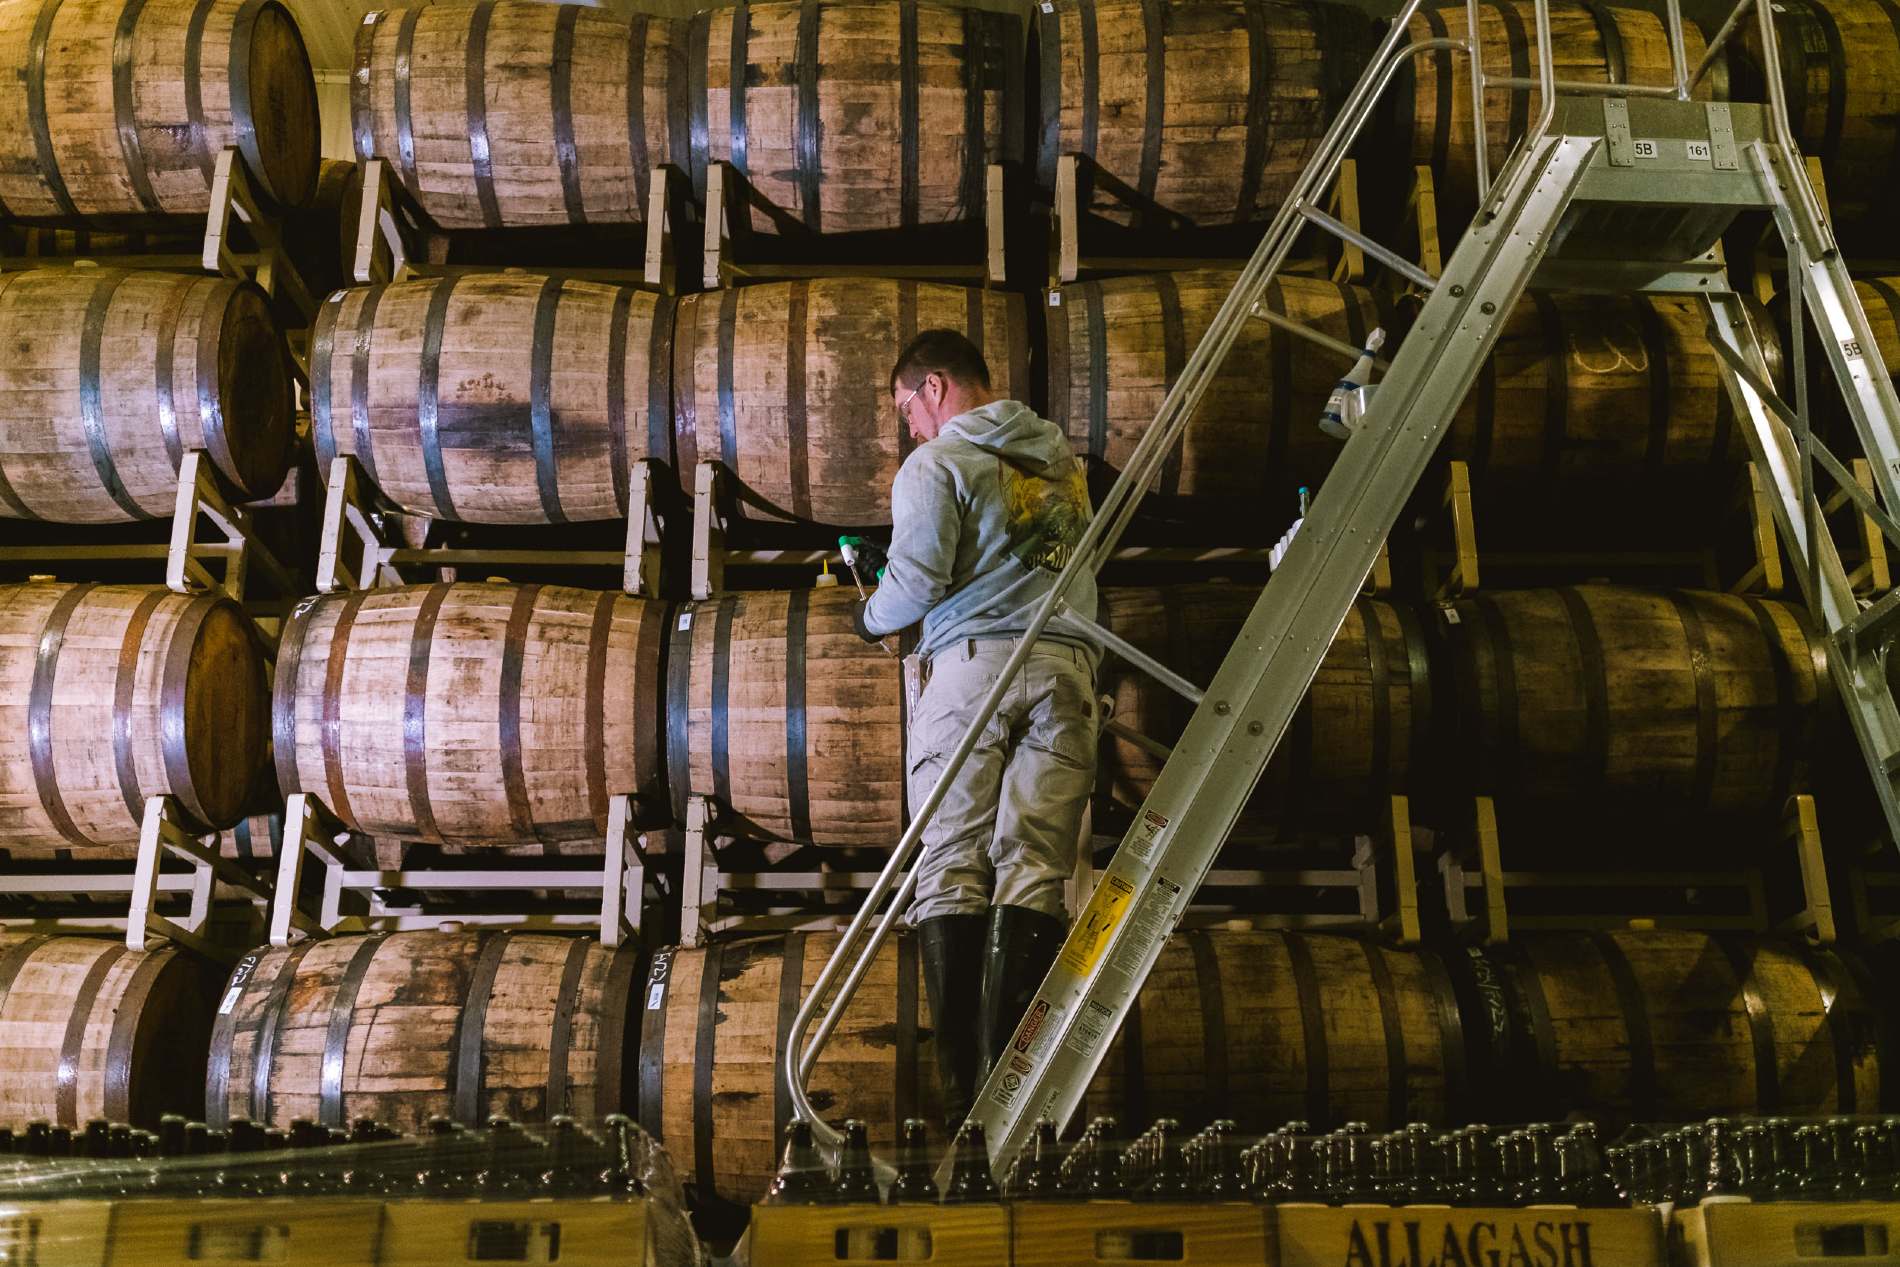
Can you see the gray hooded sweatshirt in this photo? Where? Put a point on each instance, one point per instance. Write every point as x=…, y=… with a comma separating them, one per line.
x=983, y=517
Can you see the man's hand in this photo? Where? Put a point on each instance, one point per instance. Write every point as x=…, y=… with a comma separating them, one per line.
x=867, y=558
x=857, y=623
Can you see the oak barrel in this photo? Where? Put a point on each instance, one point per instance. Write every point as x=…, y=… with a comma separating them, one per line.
x=788, y=721
x=1840, y=69
x=1592, y=42
x=1204, y=109
x=118, y=109
x=403, y=1027
x=470, y=714
x=712, y=1035
x=1673, y=1026
x=853, y=115
x=787, y=385
x=92, y=1030
x=499, y=398
x=515, y=114
x=111, y=375
x=1680, y=703
x=110, y=694
x=1365, y=727
x=1577, y=385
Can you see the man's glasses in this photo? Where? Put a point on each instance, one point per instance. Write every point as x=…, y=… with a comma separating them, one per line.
x=903, y=408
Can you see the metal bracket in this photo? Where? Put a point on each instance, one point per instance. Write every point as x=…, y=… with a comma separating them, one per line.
x=1616, y=132
x=1722, y=151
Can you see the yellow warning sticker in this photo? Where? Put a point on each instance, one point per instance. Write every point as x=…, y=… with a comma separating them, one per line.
x=1089, y=937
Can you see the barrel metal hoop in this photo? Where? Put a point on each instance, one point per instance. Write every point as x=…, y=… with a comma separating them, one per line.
x=1616, y=60
x=1418, y=683
x=1792, y=734
x=1527, y=983
x=1091, y=78
x=39, y=714
x=1154, y=115
x=164, y=371
x=122, y=1043
x=1451, y=1036
x=904, y=1085
x=514, y=645
x=710, y=964
x=679, y=694
x=1707, y=706
x=415, y=712
x=797, y=730
x=173, y=723
x=13, y=959
x=362, y=339
x=238, y=89
x=124, y=107
x=1833, y=1008
x=737, y=58
x=1644, y=1102
x=721, y=702
x=1379, y=674
x=470, y=1068
x=475, y=69
x=617, y=396
x=283, y=704
x=976, y=32
x=428, y=393
x=907, y=116
x=1313, y=1024
x=1259, y=144
x=594, y=723
x=560, y=1101
x=653, y=1001
x=1499, y=769
x=1892, y=10
x=124, y=685
x=194, y=89
x=1596, y=688
x=1398, y=1071
x=1207, y=983
x=405, y=116
x=92, y=413
x=223, y=1029
x=697, y=107
x=333, y=706
x=660, y=384
x=797, y=403
x=322, y=383
x=807, y=153
x=610, y=1062
x=49, y=171
x=561, y=103
x=1761, y=1025
x=336, y=1037
x=1174, y=356
x=1656, y=356
x=791, y=990
x=1049, y=92
x=270, y=1021
x=543, y=422
x=362, y=105
x=728, y=408
x=637, y=156
x=1097, y=322
x=219, y=297
x=72, y=1043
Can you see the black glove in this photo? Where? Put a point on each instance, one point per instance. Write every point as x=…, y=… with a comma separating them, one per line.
x=872, y=560
x=857, y=623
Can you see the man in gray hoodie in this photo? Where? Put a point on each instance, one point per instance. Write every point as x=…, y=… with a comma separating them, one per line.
x=985, y=512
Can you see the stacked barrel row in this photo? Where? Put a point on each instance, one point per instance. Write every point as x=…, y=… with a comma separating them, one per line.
x=1255, y=1026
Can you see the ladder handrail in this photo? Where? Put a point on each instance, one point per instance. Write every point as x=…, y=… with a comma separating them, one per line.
x=1104, y=530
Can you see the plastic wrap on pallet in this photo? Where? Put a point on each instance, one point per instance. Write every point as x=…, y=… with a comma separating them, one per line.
x=363, y=1197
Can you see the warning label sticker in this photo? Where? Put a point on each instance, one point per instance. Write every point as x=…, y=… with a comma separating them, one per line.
x=1091, y=1029
x=1149, y=925
x=1146, y=834
x=1089, y=937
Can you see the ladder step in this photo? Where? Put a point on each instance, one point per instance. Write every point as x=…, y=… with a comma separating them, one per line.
x=1875, y=627
x=1128, y=734
x=1391, y=259
x=1319, y=338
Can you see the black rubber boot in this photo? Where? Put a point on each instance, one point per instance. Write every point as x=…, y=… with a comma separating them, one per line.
x=952, y=952
x=1017, y=953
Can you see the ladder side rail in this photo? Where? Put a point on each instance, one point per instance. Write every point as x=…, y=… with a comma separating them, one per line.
x=1481, y=152
x=1678, y=51
x=1200, y=791
x=1779, y=133
x=1143, y=464
x=1546, y=72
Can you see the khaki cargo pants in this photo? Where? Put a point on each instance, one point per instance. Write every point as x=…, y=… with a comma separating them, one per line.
x=1007, y=829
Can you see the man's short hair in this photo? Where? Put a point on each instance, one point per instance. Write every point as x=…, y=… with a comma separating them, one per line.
x=945, y=352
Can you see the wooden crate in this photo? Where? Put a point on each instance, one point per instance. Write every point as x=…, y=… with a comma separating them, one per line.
x=1783, y=1234
x=585, y=1233
x=56, y=1233
x=1416, y=1236
x=1082, y=1234
x=334, y=1232
x=943, y=1235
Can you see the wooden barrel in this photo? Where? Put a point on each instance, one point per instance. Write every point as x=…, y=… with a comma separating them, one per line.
x=1595, y=42
x=789, y=722
x=1578, y=385
x=321, y=237
x=118, y=109
x=856, y=115
x=110, y=694
x=1681, y=703
x=1365, y=727
x=469, y=713
x=526, y=114
x=111, y=375
x=1207, y=109
x=713, y=1033
x=1673, y=1026
x=787, y=386
x=92, y=1030
x=1840, y=68
x=499, y=398
x=403, y=1027
x=1264, y=1027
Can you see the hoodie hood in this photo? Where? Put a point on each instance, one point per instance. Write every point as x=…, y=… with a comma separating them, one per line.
x=1014, y=431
